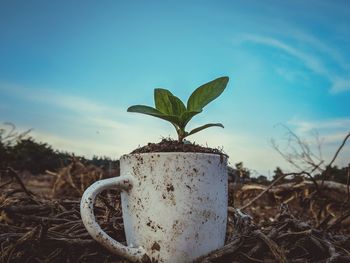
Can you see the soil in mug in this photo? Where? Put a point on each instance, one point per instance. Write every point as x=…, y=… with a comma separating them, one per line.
x=168, y=145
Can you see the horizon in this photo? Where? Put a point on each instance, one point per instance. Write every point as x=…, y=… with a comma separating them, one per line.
x=69, y=71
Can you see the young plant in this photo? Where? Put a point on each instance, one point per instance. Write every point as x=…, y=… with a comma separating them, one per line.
x=170, y=108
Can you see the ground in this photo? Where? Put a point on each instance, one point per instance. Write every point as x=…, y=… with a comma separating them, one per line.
x=289, y=222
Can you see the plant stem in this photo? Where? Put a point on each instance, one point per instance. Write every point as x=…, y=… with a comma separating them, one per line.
x=181, y=135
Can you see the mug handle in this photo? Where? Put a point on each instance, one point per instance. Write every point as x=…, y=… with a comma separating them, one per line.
x=122, y=183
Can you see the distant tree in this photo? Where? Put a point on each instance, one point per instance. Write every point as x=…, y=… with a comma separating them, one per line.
x=262, y=179
x=336, y=174
x=106, y=163
x=33, y=156
x=4, y=156
x=21, y=152
x=277, y=173
x=9, y=136
x=242, y=172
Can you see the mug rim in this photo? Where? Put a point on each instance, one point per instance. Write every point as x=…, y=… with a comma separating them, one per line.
x=172, y=153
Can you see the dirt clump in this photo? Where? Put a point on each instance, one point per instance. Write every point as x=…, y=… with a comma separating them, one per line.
x=168, y=145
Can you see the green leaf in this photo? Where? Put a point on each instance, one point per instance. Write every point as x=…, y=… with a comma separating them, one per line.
x=162, y=101
x=187, y=116
x=167, y=103
x=155, y=113
x=178, y=106
x=206, y=93
x=204, y=127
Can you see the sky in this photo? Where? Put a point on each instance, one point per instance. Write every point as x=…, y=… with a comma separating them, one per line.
x=70, y=69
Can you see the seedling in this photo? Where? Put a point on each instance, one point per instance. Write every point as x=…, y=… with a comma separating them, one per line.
x=170, y=108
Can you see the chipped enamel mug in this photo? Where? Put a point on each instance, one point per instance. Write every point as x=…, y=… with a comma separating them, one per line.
x=174, y=206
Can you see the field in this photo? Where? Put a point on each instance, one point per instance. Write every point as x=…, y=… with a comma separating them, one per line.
x=286, y=221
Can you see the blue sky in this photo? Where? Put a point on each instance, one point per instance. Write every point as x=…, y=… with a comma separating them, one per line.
x=70, y=69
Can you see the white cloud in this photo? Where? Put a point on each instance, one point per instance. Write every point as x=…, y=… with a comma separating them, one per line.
x=320, y=45
x=304, y=126
x=81, y=146
x=309, y=59
x=78, y=104
x=340, y=85
x=292, y=75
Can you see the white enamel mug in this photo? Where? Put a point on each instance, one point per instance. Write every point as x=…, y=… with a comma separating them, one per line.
x=174, y=206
